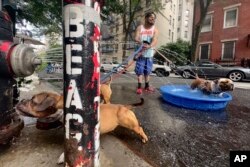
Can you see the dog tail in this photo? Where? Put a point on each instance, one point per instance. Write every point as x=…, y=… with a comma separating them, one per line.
x=130, y=106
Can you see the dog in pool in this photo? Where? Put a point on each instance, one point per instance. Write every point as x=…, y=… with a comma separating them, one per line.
x=216, y=86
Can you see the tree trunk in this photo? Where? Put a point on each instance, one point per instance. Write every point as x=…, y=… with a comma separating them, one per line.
x=132, y=11
x=203, y=5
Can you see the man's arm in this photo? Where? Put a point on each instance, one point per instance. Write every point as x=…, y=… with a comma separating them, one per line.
x=155, y=38
x=137, y=35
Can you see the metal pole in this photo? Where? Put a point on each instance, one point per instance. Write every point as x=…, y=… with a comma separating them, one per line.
x=81, y=21
x=1, y=5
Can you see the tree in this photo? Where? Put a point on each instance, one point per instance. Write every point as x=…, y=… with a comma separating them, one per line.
x=45, y=15
x=202, y=7
x=127, y=9
x=178, y=52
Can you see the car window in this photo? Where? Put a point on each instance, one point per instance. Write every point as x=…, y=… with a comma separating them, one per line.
x=206, y=64
x=158, y=62
x=155, y=61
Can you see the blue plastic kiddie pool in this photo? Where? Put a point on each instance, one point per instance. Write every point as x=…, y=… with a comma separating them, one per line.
x=184, y=96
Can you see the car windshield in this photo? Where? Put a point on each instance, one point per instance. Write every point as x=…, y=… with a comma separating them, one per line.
x=189, y=64
x=206, y=64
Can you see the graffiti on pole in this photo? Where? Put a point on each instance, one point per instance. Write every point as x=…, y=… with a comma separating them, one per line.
x=81, y=82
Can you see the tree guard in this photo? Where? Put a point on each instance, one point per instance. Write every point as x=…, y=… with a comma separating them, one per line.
x=81, y=21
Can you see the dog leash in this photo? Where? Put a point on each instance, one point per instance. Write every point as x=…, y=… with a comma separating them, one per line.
x=132, y=62
x=125, y=62
x=170, y=62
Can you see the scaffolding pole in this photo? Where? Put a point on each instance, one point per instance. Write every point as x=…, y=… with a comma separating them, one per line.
x=81, y=23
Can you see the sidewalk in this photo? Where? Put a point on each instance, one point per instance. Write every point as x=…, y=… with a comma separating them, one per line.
x=38, y=148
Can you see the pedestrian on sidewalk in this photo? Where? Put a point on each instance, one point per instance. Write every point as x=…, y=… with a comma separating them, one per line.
x=49, y=68
x=146, y=35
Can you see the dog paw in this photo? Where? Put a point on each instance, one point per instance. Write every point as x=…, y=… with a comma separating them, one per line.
x=60, y=159
x=145, y=140
x=221, y=94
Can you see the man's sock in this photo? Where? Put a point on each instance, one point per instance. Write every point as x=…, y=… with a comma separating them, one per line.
x=139, y=85
x=146, y=85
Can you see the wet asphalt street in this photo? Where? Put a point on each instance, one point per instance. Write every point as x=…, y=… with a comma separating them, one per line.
x=183, y=137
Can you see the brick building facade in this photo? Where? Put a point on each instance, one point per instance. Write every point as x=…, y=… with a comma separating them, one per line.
x=225, y=35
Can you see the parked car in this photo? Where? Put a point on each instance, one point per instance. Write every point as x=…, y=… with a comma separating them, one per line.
x=210, y=69
x=108, y=66
x=161, y=69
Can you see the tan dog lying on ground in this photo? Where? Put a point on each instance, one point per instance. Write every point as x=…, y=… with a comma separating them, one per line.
x=216, y=86
x=111, y=115
x=106, y=91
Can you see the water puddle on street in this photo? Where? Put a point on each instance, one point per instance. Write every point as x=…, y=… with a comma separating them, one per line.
x=190, y=138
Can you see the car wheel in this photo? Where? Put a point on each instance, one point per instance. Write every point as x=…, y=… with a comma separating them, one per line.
x=167, y=73
x=186, y=74
x=160, y=72
x=235, y=76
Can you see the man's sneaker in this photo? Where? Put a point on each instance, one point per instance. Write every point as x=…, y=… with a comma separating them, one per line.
x=139, y=91
x=150, y=89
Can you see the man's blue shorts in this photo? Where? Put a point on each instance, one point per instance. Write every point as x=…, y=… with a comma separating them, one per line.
x=143, y=66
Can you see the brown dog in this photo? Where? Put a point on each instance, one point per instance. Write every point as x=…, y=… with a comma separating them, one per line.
x=106, y=92
x=111, y=115
x=216, y=86
x=41, y=105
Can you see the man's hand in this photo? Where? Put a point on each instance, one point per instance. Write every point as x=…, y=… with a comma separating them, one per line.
x=135, y=58
x=146, y=46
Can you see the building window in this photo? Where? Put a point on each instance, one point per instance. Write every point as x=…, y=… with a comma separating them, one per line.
x=116, y=48
x=230, y=18
x=172, y=36
x=186, y=34
x=179, y=18
x=204, y=51
x=169, y=34
x=187, y=13
x=207, y=24
x=117, y=28
x=186, y=23
x=228, y=50
x=170, y=19
x=248, y=40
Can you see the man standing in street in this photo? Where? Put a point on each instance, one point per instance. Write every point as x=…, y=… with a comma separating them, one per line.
x=146, y=35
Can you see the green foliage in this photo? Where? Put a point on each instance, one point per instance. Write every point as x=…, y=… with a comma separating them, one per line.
x=179, y=52
x=44, y=64
x=181, y=47
x=113, y=6
x=42, y=67
x=45, y=15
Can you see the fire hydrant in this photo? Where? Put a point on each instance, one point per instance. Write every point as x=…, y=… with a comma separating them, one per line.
x=16, y=60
